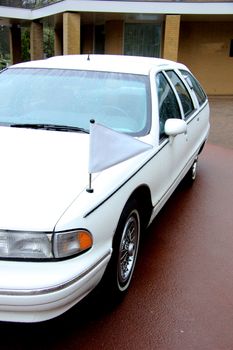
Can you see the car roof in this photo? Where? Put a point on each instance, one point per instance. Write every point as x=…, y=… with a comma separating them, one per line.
x=110, y=63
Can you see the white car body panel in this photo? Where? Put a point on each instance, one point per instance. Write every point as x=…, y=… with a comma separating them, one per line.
x=39, y=174
x=52, y=291
x=43, y=186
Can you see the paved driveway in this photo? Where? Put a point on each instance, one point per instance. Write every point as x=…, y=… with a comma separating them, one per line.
x=221, y=132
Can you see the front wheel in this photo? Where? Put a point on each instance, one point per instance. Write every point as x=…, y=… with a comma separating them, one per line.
x=125, y=250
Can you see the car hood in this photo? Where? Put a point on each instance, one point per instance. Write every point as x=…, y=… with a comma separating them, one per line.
x=42, y=172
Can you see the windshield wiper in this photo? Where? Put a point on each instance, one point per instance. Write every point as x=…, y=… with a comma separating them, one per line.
x=67, y=128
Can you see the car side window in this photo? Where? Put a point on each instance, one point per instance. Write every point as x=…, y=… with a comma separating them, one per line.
x=195, y=85
x=182, y=92
x=168, y=105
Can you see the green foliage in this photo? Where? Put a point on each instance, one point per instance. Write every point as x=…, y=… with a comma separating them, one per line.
x=4, y=47
x=48, y=41
x=4, y=42
x=26, y=3
x=48, y=32
x=25, y=42
x=11, y=3
x=36, y=3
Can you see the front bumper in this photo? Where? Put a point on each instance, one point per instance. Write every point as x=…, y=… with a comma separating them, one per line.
x=40, y=303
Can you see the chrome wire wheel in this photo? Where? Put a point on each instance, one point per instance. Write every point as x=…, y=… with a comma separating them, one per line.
x=125, y=246
x=194, y=170
x=128, y=249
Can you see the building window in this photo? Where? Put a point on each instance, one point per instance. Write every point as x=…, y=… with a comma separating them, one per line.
x=142, y=39
x=99, y=39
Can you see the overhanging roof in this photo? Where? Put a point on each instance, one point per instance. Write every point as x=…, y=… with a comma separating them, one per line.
x=126, y=7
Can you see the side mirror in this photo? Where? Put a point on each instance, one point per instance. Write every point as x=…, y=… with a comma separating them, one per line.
x=175, y=127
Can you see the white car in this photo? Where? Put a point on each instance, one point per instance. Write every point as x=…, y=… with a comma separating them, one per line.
x=73, y=204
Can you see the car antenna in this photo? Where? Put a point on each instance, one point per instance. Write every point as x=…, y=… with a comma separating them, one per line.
x=88, y=57
x=90, y=189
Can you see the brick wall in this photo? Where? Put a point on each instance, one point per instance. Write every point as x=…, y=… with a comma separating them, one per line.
x=171, y=37
x=205, y=48
x=71, y=33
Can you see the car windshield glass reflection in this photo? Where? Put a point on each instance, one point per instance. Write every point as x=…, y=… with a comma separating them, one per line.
x=72, y=98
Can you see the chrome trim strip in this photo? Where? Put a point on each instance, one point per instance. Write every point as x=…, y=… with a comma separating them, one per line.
x=42, y=291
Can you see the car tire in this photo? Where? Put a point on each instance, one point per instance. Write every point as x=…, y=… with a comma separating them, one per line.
x=192, y=173
x=125, y=250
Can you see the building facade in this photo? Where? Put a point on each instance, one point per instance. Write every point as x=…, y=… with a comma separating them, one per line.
x=198, y=34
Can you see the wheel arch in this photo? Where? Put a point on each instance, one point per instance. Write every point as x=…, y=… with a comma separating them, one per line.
x=142, y=195
x=140, y=200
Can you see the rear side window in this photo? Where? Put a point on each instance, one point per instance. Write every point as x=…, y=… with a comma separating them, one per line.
x=182, y=92
x=168, y=105
x=195, y=85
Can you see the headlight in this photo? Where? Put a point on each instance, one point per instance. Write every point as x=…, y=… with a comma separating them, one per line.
x=25, y=245
x=39, y=245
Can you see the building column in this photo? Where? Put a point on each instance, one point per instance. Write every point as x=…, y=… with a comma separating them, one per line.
x=15, y=44
x=71, y=33
x=171, y=37
x=36, y=41
x=114, y=36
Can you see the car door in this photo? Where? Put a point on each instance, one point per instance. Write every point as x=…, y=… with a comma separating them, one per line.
x=190, y=113
x=198, y=119
x=173, y=154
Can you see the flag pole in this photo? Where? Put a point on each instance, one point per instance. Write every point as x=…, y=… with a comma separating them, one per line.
x=90, y=189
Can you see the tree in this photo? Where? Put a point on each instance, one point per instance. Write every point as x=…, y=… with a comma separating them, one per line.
x=25, y=42
x=25, y=31
x=11, y=3
x=4, y=47
x=36, y=3
x=48, y=40
x=26, y=3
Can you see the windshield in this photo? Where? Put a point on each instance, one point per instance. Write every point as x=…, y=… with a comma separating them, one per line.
x=71, y=98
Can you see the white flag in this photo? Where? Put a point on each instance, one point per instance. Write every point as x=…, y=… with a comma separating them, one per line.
x=109, y=147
